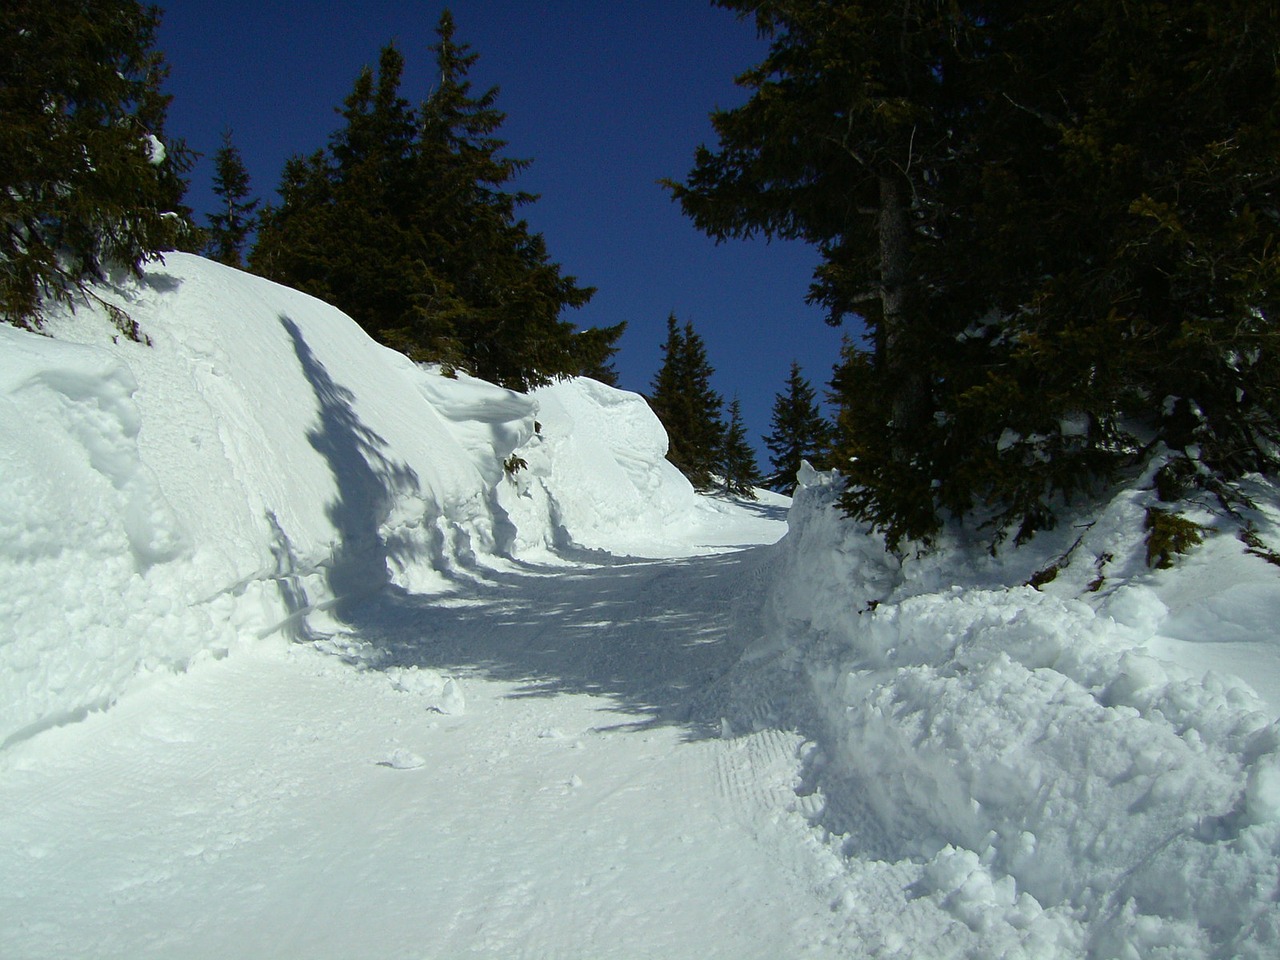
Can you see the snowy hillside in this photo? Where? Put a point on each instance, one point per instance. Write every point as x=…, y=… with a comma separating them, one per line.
x=1087, y=769
x=307, y=651
x=263, y=460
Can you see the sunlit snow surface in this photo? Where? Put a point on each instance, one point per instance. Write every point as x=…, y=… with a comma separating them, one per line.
x=292, y=666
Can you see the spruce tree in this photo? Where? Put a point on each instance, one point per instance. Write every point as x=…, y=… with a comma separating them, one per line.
x=339, y=231
x=687, y=406
x=738, y=470
x=87, y=181
x=595, y=348
x=1058, y=221
x=799, y=432
x=505, y=294
x=852, y=119
x=406, y=222
x=230, y=227
x=665, y=393
x=1130, y=204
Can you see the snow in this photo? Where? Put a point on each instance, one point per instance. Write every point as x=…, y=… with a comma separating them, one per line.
x=291, y=664
x=1055, y=770
x=155, y=150
x=230, y=481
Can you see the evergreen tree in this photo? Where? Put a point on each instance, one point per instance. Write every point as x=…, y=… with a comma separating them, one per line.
x=406, y=223
x=1130, y=204
x=230, y=227
x=1058, y=221
x=799, y=432
x=687, y=406
x=666, y=396
x=595, y=348
x=503, y=292
x=852, y=119
x=339, y=232
x=738, y=468
x=87, y=183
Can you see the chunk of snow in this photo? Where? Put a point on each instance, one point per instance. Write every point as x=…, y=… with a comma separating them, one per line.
x=1262, y=792
x=402, y=759
x=451, y=699
x=155, y=150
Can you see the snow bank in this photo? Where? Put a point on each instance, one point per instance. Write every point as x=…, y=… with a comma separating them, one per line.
x=588, y=423
x=596, y=477
x=1043, y=767
x=259, y=465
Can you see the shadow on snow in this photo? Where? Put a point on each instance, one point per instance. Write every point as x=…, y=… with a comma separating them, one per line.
x=648, y=635
x=367, y=483
x=769, y=511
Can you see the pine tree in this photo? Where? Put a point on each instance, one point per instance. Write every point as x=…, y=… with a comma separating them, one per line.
x=738, y=469
x=799, y=432
x=1140, y=311
x=855, y=118
x=339, y=232
x=507, y=295
x=851, y=120
x=87, y=183
x=595, y=348
x=230, y=227
x=687, y=406
x=406, y=223
x=1058, y=221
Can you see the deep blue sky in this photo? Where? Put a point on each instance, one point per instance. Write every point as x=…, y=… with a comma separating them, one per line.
x=605, y=96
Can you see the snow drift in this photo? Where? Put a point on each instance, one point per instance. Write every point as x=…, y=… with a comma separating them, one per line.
x=1051, y=768
x=261, y=463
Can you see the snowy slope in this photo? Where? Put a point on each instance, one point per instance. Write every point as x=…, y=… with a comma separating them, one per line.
x=263, y=461
x=1039, y=773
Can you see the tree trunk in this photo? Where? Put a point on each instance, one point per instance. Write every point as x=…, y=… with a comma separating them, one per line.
x=903, y=379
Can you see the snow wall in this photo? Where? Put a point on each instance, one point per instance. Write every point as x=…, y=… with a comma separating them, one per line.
x=258, y=464
x=1037, y=762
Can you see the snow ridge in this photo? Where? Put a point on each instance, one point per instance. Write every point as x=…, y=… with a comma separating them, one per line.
x=1034, y=772
x=261, y=467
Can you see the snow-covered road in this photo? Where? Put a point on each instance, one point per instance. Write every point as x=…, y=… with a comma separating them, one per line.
x=284, y=802
x=521, y=743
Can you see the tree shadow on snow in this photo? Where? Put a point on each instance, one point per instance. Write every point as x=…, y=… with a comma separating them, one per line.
x=648, y=635
x=769, y=511
x=367, y=482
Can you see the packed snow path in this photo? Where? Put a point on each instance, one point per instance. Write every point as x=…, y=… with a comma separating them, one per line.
x=285, y=802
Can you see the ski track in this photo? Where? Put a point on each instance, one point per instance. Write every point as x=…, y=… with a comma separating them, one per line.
x=580, y=807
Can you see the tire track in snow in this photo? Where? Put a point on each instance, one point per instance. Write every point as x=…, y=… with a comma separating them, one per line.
x=757, y=773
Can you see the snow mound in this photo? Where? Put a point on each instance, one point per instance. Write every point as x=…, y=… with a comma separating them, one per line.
x=1048, y=769
x=259, y=467
x=596, y=477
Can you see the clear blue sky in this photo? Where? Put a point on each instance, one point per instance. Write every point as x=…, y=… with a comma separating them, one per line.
x=604, y=96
